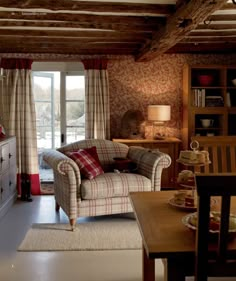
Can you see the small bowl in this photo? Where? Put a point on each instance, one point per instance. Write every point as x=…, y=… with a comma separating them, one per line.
x=234, y=82
x=205, y=80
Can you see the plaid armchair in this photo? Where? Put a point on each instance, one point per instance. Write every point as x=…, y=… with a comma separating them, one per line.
x=108, y=192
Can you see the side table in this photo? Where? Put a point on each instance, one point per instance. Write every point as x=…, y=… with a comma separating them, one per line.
x=170, y=146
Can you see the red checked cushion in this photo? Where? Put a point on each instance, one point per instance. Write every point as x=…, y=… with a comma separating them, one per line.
x=93, y=152
x=88, y=166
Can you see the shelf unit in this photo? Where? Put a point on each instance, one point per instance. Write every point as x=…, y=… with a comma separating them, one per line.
x=216, y=101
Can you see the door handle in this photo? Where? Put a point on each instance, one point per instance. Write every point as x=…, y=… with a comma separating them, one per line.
x=62, y=138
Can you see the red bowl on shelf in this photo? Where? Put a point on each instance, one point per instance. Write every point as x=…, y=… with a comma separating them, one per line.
x=205, y=80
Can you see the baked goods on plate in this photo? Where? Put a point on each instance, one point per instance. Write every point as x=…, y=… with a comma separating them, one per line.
x=194, y=157
x=185, y=177
x=190, y=221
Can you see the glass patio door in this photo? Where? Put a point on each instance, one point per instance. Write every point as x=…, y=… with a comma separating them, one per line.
x=72, y=107
x=43, y=88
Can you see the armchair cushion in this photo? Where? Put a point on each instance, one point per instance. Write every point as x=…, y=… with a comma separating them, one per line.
x=88, y=166
x=110, y=185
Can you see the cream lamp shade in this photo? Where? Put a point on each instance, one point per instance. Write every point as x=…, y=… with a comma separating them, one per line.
x=159, y=113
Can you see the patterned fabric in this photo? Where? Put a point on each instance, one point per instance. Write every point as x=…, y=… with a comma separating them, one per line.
x=19, y=118
x=97, y=105
x=106, y=206
x=114, y=185
x=89, y=167
x=110, y=189
x=106, y=150
x=93, y=152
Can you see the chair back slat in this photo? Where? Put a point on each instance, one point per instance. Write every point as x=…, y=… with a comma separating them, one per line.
x=233, y=158
x=207, y=185
x=215, y=161
x=222, y=153
x=223, y=159
x=224, y=226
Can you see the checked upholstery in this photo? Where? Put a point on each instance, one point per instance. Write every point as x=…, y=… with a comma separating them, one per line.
x=108, y=192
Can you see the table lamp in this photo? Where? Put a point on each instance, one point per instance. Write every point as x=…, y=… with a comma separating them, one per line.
x=158, y=114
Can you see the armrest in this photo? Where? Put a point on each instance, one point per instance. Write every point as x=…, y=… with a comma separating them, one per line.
x=60, y=163
x=150, y=163
x=67, y=180
x=66, y=171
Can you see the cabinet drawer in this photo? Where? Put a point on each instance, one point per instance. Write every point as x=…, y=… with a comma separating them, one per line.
x=4, y=179
x=4, y=157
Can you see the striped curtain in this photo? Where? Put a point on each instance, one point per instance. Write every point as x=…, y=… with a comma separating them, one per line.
x=20, y=121
x=97, y=105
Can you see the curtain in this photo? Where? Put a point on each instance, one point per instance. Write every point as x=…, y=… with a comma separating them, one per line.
x=97, y=106
x=20, y=121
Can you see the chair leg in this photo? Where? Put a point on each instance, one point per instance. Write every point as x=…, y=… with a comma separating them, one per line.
x=72, y=223
x=57, y=207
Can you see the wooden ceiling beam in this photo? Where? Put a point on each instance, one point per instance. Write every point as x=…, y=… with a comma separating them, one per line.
x=227, y=17
x=64, y=34
x=217, y=48
x=83, y=18
x=90, y=6
x=209, y=40
x=68, y=51
x=66, y=46
x=112, y=25
x=186, y=18
x=213, y=26
x=80, y=40
x=228, y=6
x=209, y=33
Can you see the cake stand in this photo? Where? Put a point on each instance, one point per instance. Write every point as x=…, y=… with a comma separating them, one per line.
x=189, y=185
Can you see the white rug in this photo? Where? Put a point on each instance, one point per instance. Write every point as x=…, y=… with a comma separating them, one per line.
x=99, y=235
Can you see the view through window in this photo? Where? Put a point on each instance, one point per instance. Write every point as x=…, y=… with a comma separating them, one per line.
x=59, y=103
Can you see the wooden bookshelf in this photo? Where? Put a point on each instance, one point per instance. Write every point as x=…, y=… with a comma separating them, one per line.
x=215, y=101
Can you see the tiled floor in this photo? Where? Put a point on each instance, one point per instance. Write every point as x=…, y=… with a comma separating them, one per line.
x=59, y=266
x=124, y=265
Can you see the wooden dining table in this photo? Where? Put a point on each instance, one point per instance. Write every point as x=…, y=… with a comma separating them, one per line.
x=164, y=235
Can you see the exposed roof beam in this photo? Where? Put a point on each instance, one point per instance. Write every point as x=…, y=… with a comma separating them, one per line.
x=208, y=40
x=74, y=34
x=83, y=18
x=68, y=50
x=186, y=18
x=217, y=48
x=87, y=6
x=213, y=26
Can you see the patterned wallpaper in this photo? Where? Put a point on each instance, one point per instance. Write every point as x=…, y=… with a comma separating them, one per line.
x=135, y=85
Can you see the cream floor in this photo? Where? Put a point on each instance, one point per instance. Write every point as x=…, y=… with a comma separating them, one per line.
x=62, y=266
x=59, y=266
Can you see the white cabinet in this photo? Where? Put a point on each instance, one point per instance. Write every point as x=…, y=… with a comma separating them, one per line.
x=8, y=192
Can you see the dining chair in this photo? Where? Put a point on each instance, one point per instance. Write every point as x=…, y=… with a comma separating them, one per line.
x=212, y=255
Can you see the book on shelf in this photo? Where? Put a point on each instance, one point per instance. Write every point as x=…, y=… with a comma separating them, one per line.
x=214, y=101
x=199, y=97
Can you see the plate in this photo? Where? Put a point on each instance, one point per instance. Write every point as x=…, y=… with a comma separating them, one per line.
x=193, y=163
x=187, y=186
x=187, y=208
x=181, y=206
x=186, y=220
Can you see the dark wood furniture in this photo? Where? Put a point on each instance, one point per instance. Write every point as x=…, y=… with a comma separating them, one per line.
x=165, y=236
x=213, y=99
x=171, y=146
x=219, y=262
x=222, y=153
